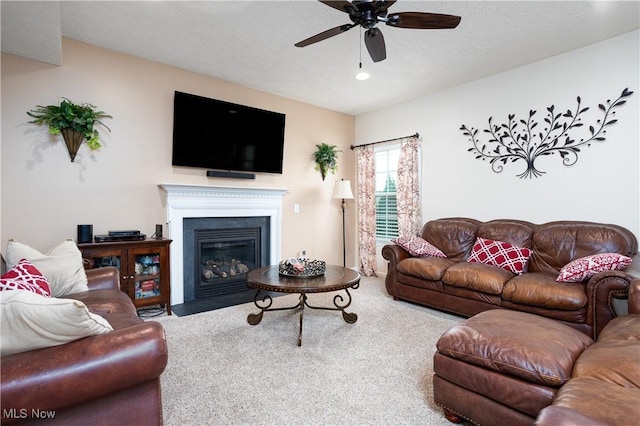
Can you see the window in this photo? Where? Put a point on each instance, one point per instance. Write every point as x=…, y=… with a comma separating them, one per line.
x=386, y=205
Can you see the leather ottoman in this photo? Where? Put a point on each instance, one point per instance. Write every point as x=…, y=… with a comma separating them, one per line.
x=503, y=367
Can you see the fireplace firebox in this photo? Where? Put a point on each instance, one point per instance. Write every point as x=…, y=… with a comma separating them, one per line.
x=218, y=253
x=223, y=259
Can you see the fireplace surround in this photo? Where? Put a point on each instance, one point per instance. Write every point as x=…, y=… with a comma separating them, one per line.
x=205, y=201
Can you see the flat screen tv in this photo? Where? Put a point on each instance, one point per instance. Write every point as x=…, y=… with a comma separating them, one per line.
x=219, y=135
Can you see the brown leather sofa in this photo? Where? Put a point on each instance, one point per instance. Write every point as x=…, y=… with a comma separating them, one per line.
x=107, y=379
x=515, y=368
x=452, y=284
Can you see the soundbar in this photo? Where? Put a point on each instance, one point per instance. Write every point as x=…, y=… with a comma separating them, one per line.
x=235, y=175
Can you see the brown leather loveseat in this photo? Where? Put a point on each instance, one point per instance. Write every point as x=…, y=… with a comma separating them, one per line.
x=455, y=285
x=106, y=379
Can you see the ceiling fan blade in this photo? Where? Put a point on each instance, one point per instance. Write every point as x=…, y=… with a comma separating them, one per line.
x=421, y=20
x=325, y=35
x=383, y=5
x=374, y=41
x=343, y=6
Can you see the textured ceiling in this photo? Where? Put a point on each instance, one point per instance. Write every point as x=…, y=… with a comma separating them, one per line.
x=251, y=43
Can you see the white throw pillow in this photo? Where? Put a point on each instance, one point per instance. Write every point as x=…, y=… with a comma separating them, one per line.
x=61, y=265
x=29, y=321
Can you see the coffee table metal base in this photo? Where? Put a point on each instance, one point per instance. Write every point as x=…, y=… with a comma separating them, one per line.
x=339, y=302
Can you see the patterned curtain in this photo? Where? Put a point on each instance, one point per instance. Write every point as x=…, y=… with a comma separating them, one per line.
x=367, y=209
x=408, y=188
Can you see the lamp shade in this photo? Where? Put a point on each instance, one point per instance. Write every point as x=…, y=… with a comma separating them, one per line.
x=343, y=190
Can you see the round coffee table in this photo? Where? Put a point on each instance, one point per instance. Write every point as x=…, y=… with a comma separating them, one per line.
x=335, y=278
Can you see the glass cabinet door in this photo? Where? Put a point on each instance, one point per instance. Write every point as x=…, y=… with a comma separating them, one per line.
x=101, y=257
x=147, y=275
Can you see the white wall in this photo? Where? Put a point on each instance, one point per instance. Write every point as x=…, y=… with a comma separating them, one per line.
x=603, y=186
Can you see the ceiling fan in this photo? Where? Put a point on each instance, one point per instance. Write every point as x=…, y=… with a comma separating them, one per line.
x=367, y=13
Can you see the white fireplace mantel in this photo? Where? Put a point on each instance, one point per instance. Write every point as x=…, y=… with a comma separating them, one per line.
x=195, y=201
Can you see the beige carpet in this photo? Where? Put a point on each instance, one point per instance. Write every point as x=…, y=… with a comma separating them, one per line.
x=223, y=371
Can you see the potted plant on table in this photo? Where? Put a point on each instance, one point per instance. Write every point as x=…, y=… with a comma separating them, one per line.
x=75, y=121
x=326, y=158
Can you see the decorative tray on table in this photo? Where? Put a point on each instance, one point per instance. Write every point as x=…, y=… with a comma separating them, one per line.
x=302, y=268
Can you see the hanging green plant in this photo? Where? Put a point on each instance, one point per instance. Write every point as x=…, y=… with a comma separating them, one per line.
x=326, y=158
x=74, y=121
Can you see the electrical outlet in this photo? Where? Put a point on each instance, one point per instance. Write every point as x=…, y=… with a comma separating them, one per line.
x=296, y=208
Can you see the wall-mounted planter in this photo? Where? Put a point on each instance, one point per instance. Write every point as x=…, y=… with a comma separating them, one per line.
x=326, y=159
x=73, y=139
x=75, y=121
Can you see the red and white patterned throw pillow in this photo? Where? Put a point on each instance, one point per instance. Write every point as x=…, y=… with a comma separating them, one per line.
x=418, y=247
x=500, y=253
x=25, y=276
x=585, y=267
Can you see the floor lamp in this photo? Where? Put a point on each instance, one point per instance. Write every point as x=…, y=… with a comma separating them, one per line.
x=343, y=190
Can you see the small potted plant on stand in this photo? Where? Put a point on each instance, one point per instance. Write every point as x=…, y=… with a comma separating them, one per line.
x=326, y=158
x=75, y=121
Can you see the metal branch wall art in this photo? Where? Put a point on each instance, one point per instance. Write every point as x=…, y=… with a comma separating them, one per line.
x=523, y=140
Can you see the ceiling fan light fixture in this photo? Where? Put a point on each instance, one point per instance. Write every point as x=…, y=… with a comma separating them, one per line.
x=362, y=74
x=368, y=13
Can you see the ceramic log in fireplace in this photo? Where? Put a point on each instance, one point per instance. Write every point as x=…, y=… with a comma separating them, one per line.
x=224, y=258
